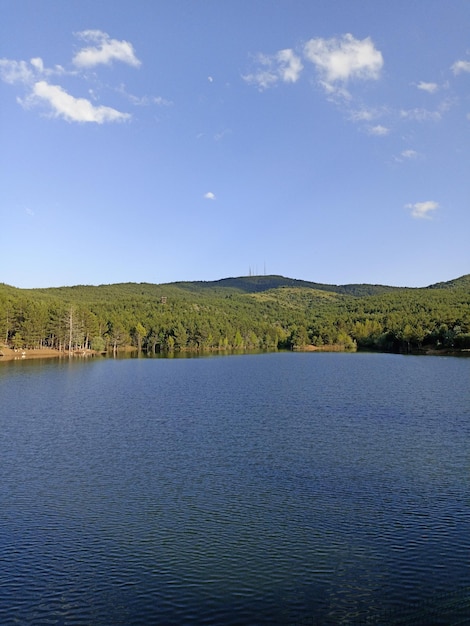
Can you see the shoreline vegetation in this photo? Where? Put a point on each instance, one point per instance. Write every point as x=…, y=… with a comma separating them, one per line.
x=233, y=315
x=10, y=354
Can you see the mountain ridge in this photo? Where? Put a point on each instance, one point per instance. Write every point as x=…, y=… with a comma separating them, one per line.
x=255, y=284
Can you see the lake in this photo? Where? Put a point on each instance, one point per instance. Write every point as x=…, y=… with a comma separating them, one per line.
x=283, y=488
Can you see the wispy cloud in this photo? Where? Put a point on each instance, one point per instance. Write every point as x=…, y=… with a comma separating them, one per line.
x=460, y=66
x=289, y=65
x=12, y=72
x=406, y=155
x=149, y=100
x=143, y=100
x=429, y=87
x=284, y=66
x=71, y=109
x=340, y=60
x=26, y=72
x=379, y=130
x=105, y=50
x=422, y=210
x=367, y=115
x=209, y=195
x=409, y=154
x=363, y=115
x=421, y=115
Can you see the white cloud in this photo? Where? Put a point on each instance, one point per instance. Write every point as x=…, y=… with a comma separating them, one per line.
x=34, y=77
x=143, y=100
x=460, y=66
x=15, y=71
x=283, y=66
x=425, y=115
x=406, y=155
x=70, y=108
x=209, y=195
x=368, y=114
x=421, y=115
x=289, y=65
x=38, y=63
x=363, y=115
x=429, y=87
x=409, y=154
x=149, y=100
x=22, y=72
x=339, y=60
x=421, y=210
x=105, y=51
x=263, y=77
x=379, y=130
x=158, y=100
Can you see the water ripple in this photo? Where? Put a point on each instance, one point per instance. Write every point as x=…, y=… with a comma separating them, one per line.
x=277, y=489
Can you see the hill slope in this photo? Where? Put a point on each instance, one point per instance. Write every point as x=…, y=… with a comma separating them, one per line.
x=237, y=313
x=254, y=284
x=458, y=283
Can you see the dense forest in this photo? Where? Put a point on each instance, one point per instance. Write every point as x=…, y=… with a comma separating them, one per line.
x=253, y=312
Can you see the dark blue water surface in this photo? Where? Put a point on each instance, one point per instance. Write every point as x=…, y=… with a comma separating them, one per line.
x=256, y=489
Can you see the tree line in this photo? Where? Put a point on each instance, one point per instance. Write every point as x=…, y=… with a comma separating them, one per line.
x=215, y=316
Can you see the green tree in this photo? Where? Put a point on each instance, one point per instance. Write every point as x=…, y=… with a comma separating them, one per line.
x=238, y=340
x=117, y=336
x=180, y=335
x=138, y=333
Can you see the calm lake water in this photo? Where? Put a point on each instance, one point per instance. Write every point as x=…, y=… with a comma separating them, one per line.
x=281, y=488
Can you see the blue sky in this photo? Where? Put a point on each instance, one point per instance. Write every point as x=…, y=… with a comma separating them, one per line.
x=166, y=140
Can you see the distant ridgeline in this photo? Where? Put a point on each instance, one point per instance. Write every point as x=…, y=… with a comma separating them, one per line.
x=251, y=312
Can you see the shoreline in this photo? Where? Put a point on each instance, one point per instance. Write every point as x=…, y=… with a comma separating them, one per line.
x=10, y=354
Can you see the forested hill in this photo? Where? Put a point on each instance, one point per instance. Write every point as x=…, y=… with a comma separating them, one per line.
x=265, y=312
x=459, y=283
x=254, y=284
